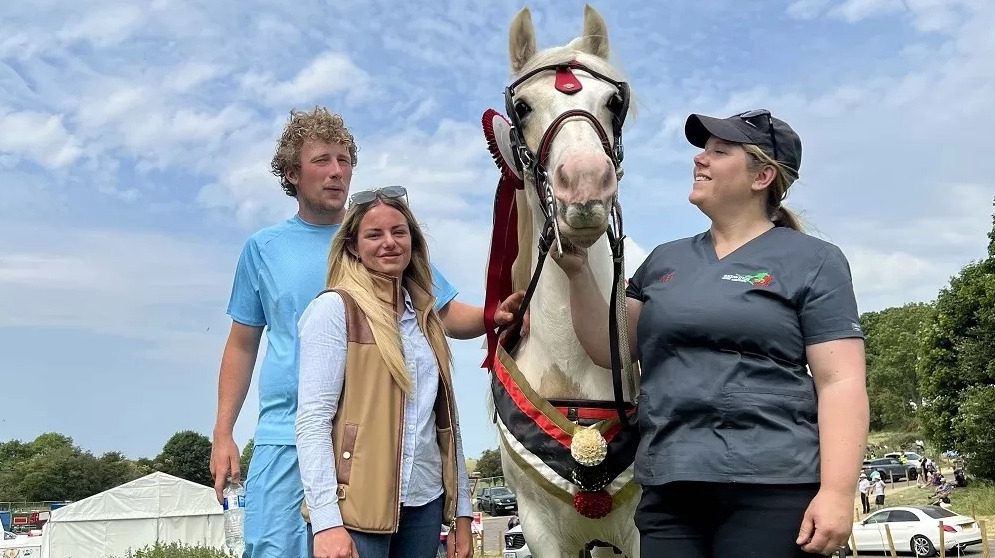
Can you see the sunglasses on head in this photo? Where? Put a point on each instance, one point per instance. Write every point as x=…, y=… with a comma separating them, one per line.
x=757, y=118
x=388, y=192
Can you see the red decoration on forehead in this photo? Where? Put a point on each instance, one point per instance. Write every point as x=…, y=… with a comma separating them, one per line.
x=567, y=82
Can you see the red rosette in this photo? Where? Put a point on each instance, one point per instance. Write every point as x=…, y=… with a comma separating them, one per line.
x=593, y=504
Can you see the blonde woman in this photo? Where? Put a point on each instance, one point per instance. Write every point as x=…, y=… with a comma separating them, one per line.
x=377, y=427
x=753, y=410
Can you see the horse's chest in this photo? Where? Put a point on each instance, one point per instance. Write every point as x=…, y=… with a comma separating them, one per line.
x=558, y=378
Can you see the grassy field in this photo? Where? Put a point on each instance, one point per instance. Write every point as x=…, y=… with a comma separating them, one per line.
x=976, y=500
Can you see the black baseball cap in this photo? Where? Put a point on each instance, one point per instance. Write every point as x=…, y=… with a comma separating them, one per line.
x=758, y=127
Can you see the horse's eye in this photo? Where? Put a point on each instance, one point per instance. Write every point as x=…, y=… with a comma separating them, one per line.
x=522, y=109
x=615, y=104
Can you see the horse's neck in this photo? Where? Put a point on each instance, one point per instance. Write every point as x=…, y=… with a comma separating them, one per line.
x=553, y=359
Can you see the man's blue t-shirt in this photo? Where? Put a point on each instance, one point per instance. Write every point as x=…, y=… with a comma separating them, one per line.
x=280, y=271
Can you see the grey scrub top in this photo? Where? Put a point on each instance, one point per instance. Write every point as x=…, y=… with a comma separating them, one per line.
x=725, y=394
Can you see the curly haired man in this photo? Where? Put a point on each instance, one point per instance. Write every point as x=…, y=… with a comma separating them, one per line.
x=280, y=270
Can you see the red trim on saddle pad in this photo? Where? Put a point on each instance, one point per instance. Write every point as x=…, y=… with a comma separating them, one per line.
x=545, y=423
x=526, y=406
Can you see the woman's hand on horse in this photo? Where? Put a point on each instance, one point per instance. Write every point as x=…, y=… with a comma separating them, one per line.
x=572, y=261
x=334, y=543
x=505, y=312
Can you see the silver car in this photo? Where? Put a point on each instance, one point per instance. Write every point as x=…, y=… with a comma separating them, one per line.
x=514, y=544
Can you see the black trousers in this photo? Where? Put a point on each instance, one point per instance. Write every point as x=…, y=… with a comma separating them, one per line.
x=865, y=501
x=715, y=520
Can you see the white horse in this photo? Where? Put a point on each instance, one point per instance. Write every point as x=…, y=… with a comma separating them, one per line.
x=568, y=104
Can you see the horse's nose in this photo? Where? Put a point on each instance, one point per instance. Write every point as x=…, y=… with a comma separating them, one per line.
x=584, y=177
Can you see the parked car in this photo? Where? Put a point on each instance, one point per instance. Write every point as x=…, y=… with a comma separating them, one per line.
x=891, y=468
x=514, y=544
x=911, y=456
x=914, y=529
x=497, y=500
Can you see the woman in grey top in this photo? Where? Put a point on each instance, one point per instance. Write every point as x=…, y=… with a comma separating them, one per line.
x=753, y=409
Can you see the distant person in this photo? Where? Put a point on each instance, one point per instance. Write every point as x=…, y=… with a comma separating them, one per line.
x=749, y=342
x=513, y=521
x=863, y=487
x=879, y=487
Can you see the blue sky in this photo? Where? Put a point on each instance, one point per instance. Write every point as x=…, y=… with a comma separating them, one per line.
x=135, y=139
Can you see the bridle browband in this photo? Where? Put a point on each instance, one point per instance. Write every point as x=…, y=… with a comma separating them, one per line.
x=527, y=161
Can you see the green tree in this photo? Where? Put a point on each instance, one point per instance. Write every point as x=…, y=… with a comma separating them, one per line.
x=52, y=468
x=957, y=352
x=973, y=426
x=892, y=341
x=243, y=462
x=489, y=464
x=68, y=475
x=13, y=452
x=51, y=442
x=187, y=455
x=144, y=466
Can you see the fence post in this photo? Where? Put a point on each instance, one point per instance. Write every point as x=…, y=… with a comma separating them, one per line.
x=984, y=539
x=891, y=541
x=853, y=545
x=943, y=542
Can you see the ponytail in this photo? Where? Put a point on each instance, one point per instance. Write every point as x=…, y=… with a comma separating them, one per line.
x=784, y=217
x=777, y=191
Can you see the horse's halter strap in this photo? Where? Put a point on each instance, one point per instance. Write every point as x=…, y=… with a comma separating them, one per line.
x=526, y=160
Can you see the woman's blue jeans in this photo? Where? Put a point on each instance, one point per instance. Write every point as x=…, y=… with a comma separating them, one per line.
x=417, y=535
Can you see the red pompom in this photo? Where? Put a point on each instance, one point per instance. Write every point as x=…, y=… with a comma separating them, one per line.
x=594, y=505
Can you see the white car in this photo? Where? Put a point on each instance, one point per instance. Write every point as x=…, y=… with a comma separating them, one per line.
x=915, y=529
x=514, y=544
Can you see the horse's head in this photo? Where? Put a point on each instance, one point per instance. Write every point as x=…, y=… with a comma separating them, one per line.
x=567, y=107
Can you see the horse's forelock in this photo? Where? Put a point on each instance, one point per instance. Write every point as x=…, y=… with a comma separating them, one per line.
x=572, y=51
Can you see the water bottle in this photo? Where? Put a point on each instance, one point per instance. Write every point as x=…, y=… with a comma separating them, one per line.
x=235, y=517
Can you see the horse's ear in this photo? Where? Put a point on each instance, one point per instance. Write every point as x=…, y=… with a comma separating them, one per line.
x=595, y=34
x=521, y=40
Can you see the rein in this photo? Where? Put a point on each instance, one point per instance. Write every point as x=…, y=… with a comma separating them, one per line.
x=526, y=160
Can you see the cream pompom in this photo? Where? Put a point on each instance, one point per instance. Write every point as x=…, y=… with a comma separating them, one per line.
x=588, y=446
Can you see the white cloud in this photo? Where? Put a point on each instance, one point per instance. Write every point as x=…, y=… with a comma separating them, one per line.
x=191, y=75
x=925, y=15
x=807, y=9
x=39, y=137
x=329, y=73
x=105, y=26
x=856, y=10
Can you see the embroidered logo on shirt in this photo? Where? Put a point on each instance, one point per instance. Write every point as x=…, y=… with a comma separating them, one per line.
x=761, y=279
x=666, y=277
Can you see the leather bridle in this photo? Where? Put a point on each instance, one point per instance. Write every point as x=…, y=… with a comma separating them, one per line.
x=528, y=161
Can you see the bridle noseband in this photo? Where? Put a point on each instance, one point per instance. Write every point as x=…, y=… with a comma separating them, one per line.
x=527, y=161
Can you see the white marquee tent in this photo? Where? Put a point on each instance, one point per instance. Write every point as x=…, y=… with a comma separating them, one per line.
x=156, y=507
